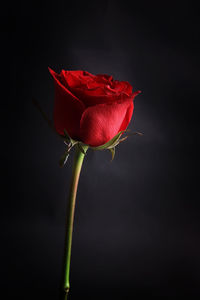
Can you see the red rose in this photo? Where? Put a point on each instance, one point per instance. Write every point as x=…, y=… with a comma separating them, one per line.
x=91, y=108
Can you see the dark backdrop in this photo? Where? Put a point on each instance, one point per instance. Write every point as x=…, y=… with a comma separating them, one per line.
x=137, y=219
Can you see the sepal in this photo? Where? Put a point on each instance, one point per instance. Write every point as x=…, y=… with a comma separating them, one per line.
x=116, y=140
x=64, y=159
x=70, y=143
x=112, y=150
x=81, y=147
x=110, y=145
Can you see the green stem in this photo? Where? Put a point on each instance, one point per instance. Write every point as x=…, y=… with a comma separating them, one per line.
x=77, y=164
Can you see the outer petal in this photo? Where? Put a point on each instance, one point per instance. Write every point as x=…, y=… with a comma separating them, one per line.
x=127, y=117
x=68, y=109
x=129, y=113
x=102, y=122
x=96, y=96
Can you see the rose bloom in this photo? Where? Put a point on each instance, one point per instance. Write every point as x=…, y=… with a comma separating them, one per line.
x=91, y=108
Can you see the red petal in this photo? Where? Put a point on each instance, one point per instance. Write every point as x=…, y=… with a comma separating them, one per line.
x=100, y=123
x=68, y=109
x=129, y=113
x=104, y=78
x=76, y=78
x=96, y=96
x=127, y=117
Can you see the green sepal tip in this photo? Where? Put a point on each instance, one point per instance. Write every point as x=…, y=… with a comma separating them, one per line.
x=112, y=150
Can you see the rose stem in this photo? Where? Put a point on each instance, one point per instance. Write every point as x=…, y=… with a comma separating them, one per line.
x=76, y=169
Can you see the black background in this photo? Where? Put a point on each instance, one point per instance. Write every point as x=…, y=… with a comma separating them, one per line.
x=137, y=219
